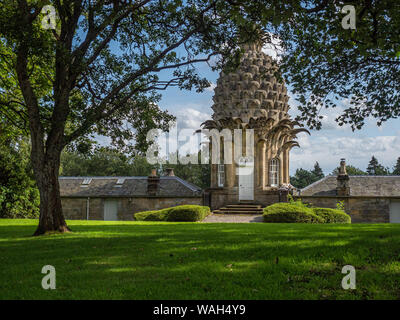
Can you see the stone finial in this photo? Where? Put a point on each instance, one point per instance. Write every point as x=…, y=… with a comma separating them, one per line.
x=342, y=169
x=343, y=187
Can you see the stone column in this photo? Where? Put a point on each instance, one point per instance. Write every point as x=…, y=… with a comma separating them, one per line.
x=214, y=176
x=263, y=163
x=230, y=168
x=281, y=168
x=285, y=166
x=214, y=167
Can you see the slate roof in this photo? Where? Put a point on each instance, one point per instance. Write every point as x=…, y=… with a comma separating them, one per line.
x=360, y=186
x=169, y=186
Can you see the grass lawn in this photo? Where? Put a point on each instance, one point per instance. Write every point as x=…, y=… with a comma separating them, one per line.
x=151, y=260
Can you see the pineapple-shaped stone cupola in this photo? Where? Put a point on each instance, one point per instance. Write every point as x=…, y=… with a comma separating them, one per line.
x=253, y=97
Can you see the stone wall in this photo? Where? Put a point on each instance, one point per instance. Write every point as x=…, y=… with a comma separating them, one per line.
x=75, y=208
x=361, y=209
x=220, y=197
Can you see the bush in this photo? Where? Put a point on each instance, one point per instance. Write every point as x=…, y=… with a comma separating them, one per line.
x=332, y=215
x=179, y=213
x=290, y=212
x=155, y=215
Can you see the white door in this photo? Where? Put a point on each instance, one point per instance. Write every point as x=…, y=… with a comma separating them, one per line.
x=394, y=212
x=110, y=210
x=246, y=178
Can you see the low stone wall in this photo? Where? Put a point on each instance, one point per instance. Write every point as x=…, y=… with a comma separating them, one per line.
x=75, y=208
x=361, y=209
x=220, y=197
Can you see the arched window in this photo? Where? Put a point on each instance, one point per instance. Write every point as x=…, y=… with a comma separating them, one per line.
x=274, y=173
x=221, y=175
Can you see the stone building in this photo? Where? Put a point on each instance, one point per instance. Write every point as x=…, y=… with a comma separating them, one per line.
x=252, y=98
x=118, y=198
x=366, y=198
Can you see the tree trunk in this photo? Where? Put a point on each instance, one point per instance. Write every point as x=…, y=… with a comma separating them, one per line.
x=51, y=217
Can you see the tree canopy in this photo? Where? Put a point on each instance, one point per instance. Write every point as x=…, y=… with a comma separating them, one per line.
x=351, y=171
x=100, y=66
x=376, y=169
x=302, y=177
x=396, y=169
x=325, y=63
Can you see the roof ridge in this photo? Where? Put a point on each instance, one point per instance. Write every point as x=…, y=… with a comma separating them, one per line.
x=316, y=182
x=188, y=184
x=373, y=176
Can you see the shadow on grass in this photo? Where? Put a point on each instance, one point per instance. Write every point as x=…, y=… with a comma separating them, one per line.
x=201, y=261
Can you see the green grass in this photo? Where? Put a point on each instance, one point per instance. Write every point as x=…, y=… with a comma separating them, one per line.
x=155, y=260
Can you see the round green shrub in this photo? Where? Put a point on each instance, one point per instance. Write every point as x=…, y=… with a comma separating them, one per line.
x=332, y=215
x=189, y=213
x=290, y=213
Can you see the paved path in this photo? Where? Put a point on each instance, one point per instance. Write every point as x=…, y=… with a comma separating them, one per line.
x=234, y=218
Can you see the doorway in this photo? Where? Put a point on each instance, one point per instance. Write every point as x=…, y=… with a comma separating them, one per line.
x=246, y=178
x=110, y=210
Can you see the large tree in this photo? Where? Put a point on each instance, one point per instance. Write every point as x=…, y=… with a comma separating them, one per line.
x=396, y=169
x=19, y=197
x=317, y=171
x=376, y=169
x=102, y=63
x=303, y=178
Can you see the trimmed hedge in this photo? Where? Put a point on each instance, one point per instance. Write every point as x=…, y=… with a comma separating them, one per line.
x=155, y=215
x=188, y=213
x=301, y=213
x=332, y=215
x=288, y=212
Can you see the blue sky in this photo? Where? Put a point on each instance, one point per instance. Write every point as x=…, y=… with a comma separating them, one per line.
x=327, y=146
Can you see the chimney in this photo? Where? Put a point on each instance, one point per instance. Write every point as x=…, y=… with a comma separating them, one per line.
x=343, y=188
x=152, y=183
x=169, y=172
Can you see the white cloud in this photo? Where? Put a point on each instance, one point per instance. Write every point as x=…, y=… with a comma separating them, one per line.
x=328, y=149
x=274, y=48
x=190, y=118
x=211, y=88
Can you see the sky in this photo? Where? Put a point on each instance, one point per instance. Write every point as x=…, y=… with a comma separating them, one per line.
x=327, y=146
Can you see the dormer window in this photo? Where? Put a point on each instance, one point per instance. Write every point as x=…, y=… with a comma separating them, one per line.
x=120, y=182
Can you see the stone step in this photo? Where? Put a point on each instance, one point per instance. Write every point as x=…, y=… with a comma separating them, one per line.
x=237, y=212
x=243, y=206
x=239, y=209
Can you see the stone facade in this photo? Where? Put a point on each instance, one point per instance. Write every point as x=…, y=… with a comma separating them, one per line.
x=365, y=198
x=361, y=209
x=86, y=197
x=76, y=208
x=252, y=98
x=220, y=197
